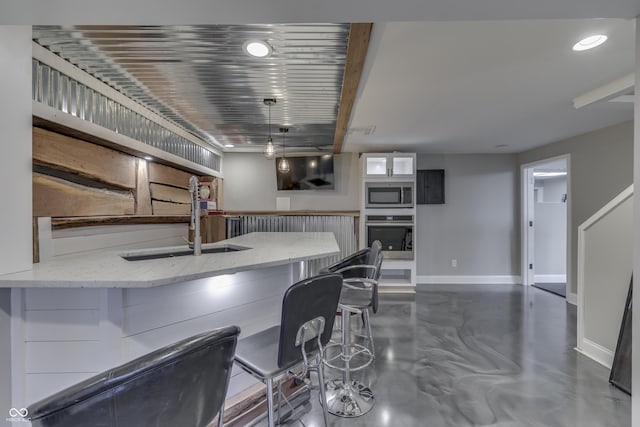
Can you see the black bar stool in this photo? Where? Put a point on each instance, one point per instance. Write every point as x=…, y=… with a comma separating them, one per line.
x=183, y=384
x=308, y=311
x=347, y=397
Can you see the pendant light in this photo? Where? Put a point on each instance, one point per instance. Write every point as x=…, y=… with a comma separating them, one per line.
x=283, y=164
x=269, y=149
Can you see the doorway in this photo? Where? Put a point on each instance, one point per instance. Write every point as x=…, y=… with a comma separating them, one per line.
x=545, y=220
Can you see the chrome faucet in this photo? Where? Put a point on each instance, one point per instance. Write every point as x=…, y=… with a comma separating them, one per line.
x=194, y=191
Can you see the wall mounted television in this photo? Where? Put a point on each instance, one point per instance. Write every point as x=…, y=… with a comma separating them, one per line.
x=307, y=173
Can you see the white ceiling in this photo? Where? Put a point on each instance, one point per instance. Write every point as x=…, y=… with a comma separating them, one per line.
x=486, y=86
x=185, y=12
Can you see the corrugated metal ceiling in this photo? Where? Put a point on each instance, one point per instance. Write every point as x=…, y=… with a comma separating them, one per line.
x=200, y=78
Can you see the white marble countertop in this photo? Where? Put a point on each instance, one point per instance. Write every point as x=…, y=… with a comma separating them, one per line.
x=107, y=269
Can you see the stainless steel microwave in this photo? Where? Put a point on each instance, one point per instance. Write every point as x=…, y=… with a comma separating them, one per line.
x=389, y=195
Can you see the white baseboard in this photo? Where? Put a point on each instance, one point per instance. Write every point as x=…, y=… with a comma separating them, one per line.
x=469, y=280
x=596, y=352
x=550, y=278
x=572, y=298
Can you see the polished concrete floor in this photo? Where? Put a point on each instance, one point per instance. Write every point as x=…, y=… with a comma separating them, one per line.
x=481, y=355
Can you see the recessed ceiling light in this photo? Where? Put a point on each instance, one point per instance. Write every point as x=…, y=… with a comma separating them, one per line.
x=229, y=145
x=148, y=158
x=590, y=42
x=257, y=48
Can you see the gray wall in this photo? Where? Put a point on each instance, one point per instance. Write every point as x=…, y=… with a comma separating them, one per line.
x=250, y=184
x=478, y=224
x=601, y=166
x=550, y=216
x=5, y=353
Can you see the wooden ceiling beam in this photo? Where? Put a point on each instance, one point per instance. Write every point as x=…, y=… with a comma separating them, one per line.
x=359, y=35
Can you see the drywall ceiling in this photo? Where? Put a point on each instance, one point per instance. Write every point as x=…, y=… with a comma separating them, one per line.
x=171, y=12
x=486, y=86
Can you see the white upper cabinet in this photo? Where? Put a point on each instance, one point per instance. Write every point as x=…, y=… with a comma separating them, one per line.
x=377, y=165
x=392, y=165
x=402, y=166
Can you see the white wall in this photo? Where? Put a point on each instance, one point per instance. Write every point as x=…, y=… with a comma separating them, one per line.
x=601, y=167
x=5, y=352
x=635, y=403
x=607, y=265
x=250, y=185
x=550, y=238
x=15, y=180
x=15, y=139
x=477, y=226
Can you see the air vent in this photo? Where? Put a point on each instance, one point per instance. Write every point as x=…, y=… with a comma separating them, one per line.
x=362, y=130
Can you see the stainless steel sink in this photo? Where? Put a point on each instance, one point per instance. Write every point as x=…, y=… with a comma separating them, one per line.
x=177, y=252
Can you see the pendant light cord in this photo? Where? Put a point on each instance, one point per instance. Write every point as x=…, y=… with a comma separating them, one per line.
x=269, y=120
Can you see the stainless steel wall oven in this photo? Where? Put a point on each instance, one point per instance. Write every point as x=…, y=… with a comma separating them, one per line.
x=395, y=232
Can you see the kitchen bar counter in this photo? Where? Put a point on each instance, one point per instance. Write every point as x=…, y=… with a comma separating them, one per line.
x=76, y=315
x=107, y=269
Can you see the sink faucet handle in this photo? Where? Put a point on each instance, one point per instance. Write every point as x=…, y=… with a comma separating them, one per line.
x=189, y=243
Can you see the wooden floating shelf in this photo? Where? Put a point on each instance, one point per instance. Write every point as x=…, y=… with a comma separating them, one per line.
x=60, y=223
x=292, y=213
x=89, y=221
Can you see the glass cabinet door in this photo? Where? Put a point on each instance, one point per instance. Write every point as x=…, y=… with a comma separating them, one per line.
x=403, y=166
x=376, y=166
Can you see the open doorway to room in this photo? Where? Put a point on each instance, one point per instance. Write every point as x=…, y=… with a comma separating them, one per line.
x=545, y=224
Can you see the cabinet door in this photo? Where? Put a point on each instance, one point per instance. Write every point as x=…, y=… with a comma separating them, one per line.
x=430, y=187
x=402, y=166
x=376, y=166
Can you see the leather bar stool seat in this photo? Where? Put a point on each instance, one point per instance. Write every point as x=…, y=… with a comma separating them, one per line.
x=182, y=384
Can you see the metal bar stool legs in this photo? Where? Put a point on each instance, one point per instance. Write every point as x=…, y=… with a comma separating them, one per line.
x=367, y=320
x=347, y=397
x=308, y=312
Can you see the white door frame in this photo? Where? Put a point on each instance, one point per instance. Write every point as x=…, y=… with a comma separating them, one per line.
x=526, y=215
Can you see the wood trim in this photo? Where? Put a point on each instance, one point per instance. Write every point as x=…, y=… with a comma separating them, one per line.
x=57, y=197
x=168, y=193
x=291, y=213
x=62, y=223
x=359, y=35
x=36, y=240
x=143, y=193
x=83, y=158
x=170, y=208
x=162, y=174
